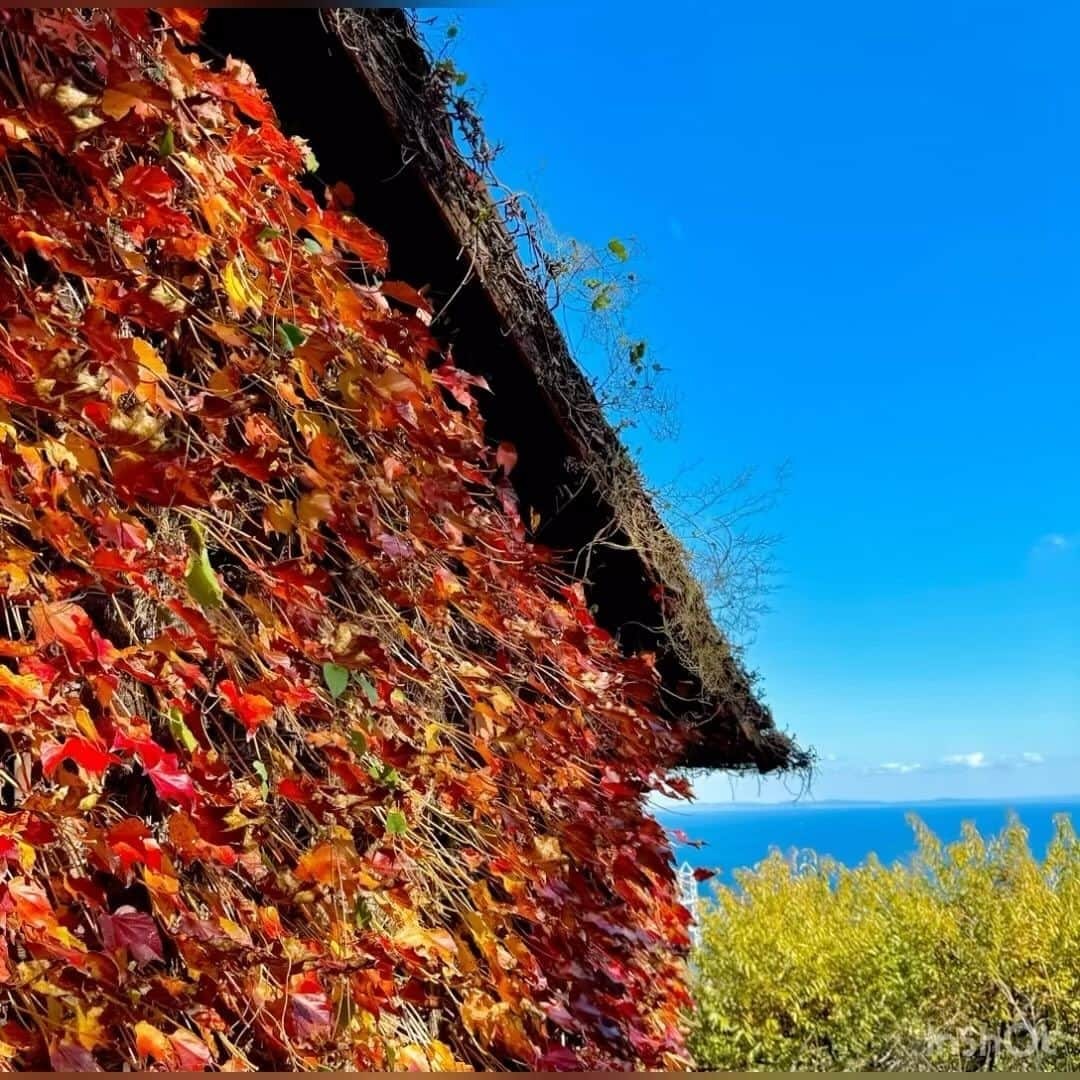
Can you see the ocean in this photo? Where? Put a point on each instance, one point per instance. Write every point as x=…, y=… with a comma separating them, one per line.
x=740, y=835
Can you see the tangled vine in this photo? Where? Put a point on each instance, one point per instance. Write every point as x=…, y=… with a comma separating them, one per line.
x=309, y=758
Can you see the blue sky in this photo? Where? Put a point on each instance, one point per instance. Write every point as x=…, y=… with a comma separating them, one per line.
x=858, y=231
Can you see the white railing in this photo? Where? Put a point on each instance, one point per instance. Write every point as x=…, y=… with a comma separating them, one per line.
x=688, y=897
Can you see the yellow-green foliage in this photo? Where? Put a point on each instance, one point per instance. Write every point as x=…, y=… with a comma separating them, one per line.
x=967, y=958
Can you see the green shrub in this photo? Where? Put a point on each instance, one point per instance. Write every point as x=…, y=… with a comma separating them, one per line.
x=966, y=958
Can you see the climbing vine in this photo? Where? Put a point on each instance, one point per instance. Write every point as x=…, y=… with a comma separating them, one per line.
x=309, y=758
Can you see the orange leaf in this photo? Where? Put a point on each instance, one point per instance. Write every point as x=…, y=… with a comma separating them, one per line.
x=319, y=864
x=252, y=710
x=152, y=1043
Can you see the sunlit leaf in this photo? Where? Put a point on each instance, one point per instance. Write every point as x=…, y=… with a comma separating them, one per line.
x=368, y=687
x=202, y=583
x=291, y=337
x=264, y=777
x=336, y=678
x=180, y=731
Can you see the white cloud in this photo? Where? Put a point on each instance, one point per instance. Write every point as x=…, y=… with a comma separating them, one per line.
x=1056, y=542
x=974, y=760
x=899, y=767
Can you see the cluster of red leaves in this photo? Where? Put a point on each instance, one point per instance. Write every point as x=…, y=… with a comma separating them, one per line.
x=309, y=758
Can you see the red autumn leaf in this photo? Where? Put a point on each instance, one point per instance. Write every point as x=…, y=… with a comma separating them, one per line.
x=506, y=457
x=559, y=1059
x=189, y=843
x=161, y=481
x=157, y=221
x=93, y=759
x=192, y=1054
x=296, y=574
x=245, y=95
x=297, y=790
x=71, y=1057
x=31, y=904
x=252, y=710
x=701, y=874
x=171, y=782
x=147, y=183
x=123, y=532
x=458, y=382
x=134, y=930
x=395, y=547
x=682, y=838
x=310, y=1015
x=66, y=624
x=364, y=243
x=253, y=463
x=404, y=292
x=342, y=195
x=187, y=22
x=136, y=304
x=131, y=842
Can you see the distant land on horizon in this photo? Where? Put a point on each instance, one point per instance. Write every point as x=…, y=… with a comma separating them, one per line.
x=837, y=804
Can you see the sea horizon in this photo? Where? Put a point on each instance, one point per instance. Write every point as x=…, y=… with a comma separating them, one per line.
x=803, y=803
x=727, y=837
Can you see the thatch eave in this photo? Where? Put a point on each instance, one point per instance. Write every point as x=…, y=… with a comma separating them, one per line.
x=367, y=103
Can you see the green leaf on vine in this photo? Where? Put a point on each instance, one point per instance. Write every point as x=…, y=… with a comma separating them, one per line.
x=336, y=678
x=618, y=249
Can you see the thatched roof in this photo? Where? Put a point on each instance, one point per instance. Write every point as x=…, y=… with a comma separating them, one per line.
x=358, y=84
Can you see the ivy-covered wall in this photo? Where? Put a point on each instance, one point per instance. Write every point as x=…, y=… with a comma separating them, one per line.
x=309, y=758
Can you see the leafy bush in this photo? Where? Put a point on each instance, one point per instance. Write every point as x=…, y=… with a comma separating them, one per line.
x=968, y=957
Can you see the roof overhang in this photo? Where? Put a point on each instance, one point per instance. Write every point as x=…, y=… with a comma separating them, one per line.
x=369, y=113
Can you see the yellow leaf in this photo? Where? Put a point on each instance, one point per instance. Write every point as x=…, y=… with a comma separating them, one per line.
x=217, y=211
x=501, y=701
x=429, y=943
x=352, y=384
x=314, y=508
x=152, y=370
x=58, y=454
x=14, y=130
x=88, y=1030
x=82, y=450
x=7, y=425
x=280, y=517
x=14, y=569
x=395, y=383
x=310, y=424
x=27, y=856
x=169, y=297
x=116, y=104
x=243, y=296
